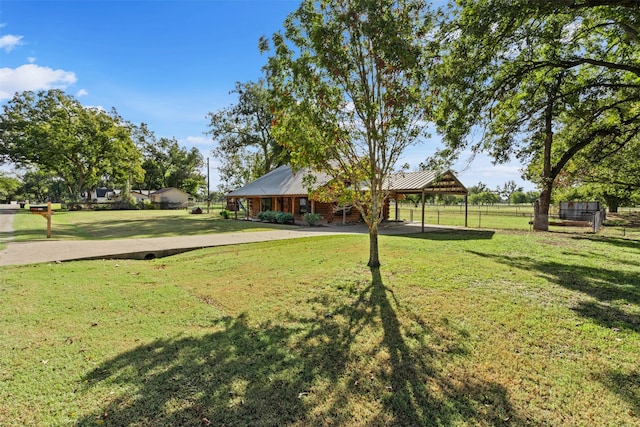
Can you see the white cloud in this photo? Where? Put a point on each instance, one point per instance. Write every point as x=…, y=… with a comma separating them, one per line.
x=97, y=107
x=82, y=92
x=31, y=59
x=9, y=42
x=197, y=140
x=33, y=77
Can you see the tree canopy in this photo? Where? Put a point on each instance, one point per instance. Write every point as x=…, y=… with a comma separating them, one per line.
x=9, y=187
x=615, y=180
x=81, y=145
x=348, y=80
x=549, y=79
x=245, y=146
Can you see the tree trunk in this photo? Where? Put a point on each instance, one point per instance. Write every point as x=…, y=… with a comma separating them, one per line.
x=541, y=211
x=374, y=256
x=541, y=207
x=612, y=203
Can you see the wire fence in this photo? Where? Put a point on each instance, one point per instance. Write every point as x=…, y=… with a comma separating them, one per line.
x=488, y=216
x=511, y=217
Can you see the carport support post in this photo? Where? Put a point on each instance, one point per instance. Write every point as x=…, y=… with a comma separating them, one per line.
x=466, y=210
x=423, y=211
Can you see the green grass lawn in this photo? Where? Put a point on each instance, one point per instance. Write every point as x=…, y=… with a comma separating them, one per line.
x=124, y=224
x=458, y=328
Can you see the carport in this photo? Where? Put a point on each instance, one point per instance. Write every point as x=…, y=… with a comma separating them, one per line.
x=427, y=182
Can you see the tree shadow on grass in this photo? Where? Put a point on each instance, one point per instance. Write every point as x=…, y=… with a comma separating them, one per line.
x=627, y=385
x=360, y=358
x=615, y=241
x=237, y=376
x=451, y=234
x=612, y=289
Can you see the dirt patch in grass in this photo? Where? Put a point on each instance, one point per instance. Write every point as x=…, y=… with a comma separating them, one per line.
x=632, y=219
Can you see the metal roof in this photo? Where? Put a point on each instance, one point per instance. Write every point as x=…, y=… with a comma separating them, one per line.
x=431, y=182
x=280, y=182
x=284, y=182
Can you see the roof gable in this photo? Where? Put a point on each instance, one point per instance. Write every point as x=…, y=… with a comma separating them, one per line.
x=431, y=182
x=281, y=181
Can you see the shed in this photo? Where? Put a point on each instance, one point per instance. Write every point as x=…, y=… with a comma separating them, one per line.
x=579, y=211
x=170, y=198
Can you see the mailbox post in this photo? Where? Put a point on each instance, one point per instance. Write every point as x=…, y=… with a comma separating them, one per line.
x=46, y=212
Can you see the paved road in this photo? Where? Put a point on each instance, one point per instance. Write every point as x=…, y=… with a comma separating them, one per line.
x=17, y=253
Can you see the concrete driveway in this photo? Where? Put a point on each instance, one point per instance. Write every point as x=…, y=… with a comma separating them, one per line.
x=17, y=253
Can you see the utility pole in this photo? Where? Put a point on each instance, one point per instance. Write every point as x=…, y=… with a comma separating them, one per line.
x=208, y=187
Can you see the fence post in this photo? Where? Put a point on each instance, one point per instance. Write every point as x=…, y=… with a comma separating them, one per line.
x=479, y=219
x=438, y=210
x=411, y=216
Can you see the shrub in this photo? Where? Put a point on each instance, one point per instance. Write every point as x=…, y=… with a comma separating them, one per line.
x=279, y=217
x=312, y=218
x=148, y=204
x=225, y=214
x=283, y=217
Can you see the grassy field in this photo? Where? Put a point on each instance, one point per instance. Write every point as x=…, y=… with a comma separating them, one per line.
x=457, y=328
x=124, y=224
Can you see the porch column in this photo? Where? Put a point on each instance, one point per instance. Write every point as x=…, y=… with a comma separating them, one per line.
x=396, y=199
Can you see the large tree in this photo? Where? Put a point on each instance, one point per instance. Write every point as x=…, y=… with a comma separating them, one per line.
x=348, y=79
x=245, y=146
x=81, y=145
x=544, y=81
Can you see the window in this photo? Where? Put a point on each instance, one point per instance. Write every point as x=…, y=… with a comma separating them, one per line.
x=304, y=205
x=265, y=205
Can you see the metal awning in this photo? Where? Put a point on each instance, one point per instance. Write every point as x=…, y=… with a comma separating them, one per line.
x=427, y=182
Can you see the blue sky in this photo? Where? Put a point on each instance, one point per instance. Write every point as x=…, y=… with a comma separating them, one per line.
x=165, y=63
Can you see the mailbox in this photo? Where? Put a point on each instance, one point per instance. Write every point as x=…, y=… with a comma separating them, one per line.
x=38, y=209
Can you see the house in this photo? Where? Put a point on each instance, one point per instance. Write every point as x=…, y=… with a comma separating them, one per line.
x=170, y=198
x=283, y=190
x=102, y=195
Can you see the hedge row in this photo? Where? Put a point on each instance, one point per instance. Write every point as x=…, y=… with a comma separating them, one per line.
x=277, y=217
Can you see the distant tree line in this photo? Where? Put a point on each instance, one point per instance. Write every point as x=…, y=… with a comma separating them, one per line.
x=65, y=150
